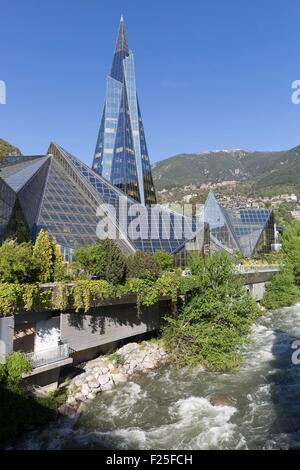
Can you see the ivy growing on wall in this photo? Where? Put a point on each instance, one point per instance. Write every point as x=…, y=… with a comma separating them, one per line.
x=86, y=294
x=15, y=298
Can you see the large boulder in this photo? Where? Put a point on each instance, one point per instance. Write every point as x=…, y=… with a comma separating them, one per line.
x=104, y=379
x=220, y=400
x=94, y=384
x=85, y=389
x=108, y=386
x=67, y=410
x=150, y=363
x=128, y=349
x=118, y=378
x=102, y=374
x=79, y=396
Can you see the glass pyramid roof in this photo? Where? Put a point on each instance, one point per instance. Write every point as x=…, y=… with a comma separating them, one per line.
x=248, y=225
x=18, y=174
x=221, y=230
x=163, y=232
x=235, y=229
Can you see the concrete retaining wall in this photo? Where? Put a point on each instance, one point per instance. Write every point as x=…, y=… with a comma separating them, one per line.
x=257, y=290
x=108, y=324
x=257, y=278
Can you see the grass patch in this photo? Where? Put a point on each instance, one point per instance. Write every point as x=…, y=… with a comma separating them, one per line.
x=116, y=359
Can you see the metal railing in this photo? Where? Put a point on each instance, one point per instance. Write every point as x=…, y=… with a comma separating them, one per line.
x=48, y=356
x=257, y=268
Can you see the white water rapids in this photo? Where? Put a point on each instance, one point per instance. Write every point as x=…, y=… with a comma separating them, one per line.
x=171, y=409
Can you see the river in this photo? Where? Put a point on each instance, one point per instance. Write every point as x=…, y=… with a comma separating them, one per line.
x=171, y=409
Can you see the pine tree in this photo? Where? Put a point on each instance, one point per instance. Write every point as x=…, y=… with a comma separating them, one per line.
x=43, y=257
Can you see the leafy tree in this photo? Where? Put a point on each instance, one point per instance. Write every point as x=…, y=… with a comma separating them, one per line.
x=75, y=271
x=142, y=265
x=291, y=248
x=91, y=259
x=102, y=260
x=281, y=291
x=115, y=268
x=59, y=271
x=164, y=260
x=16, y=262
x=283, y=213
x=216, y=319
x=43, y=257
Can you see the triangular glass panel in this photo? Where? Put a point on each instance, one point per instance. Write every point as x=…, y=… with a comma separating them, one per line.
x=221, y=232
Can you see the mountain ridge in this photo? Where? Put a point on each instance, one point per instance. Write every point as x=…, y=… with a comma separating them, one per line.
x=7, y=149
x=262, y=168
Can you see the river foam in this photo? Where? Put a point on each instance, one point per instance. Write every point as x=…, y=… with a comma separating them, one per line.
x=172, y=409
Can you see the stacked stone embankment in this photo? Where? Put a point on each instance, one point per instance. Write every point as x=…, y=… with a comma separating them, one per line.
x=106, y=372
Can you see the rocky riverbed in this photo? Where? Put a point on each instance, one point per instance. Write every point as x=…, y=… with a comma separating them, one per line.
x=105, y=372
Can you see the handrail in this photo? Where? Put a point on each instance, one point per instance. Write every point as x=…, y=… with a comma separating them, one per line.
x=48, y=356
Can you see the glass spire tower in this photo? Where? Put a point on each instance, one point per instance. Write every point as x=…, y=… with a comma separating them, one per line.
x=121, y=154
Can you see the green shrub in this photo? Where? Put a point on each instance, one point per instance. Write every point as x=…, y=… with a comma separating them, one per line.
x=117, y=359
x=102, y=260
x=11, y=371
x=142, y=265
x=216, y=319
x=24, y=262
x=43, y=257
x=59, y=270
x=291, y=248
x=75, y=271
x=19, y=411
x=281, y=291
x=164, y=260
x=54, y=399
x=16, y=262
x=91, y=260
x=115, y=267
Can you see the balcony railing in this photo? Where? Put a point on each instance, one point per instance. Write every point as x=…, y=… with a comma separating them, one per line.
x=48, y=356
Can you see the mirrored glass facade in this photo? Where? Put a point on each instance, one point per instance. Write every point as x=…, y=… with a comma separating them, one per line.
x=21, y=183
x=250, y=231
x=7, y=203
x=254, y=229
x=221, y=231
x=60, y=194
x=160, y=229
x=121, y=154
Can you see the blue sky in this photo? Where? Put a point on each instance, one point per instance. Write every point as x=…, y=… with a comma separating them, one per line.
x=210, y=74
